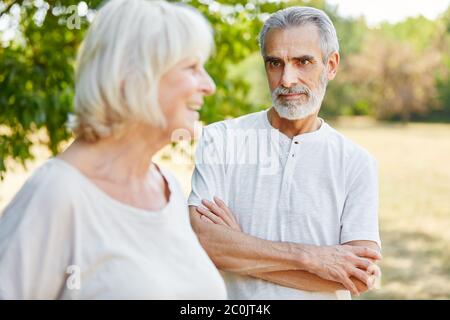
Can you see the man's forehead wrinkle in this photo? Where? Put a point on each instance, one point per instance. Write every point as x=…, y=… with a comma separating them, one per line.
x=283, y=50
x=287, y=55
x=289, y=44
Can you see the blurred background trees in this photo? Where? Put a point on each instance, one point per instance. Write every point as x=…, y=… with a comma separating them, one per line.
x=395, y=79
x=396, y=72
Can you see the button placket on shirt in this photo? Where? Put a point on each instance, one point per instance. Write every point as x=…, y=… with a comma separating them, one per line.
x=290, y=166
x=288, y=174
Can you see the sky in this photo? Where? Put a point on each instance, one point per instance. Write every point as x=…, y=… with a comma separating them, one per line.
x=376, y=11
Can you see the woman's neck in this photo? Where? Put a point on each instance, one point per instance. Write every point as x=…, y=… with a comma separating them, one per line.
x=122, y=160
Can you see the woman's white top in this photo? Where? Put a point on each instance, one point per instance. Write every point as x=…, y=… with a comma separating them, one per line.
x=62, y=237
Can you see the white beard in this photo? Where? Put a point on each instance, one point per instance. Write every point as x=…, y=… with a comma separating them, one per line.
x=295, y=110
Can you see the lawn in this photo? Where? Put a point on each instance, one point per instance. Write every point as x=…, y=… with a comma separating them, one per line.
x=414, y=166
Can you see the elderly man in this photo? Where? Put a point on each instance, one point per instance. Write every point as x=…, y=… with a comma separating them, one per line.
x=285, y=205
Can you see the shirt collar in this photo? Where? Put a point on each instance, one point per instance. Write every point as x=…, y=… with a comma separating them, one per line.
x=308, y=136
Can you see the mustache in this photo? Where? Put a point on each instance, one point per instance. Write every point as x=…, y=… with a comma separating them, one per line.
x=293, y=90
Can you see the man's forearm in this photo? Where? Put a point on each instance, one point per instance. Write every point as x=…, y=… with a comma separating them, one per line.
x=232, y=250
x=277, y=262
x=303, y=280
x=238, y=252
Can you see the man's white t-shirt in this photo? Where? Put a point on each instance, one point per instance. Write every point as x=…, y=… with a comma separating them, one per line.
x=62, y=237
x=317, y=188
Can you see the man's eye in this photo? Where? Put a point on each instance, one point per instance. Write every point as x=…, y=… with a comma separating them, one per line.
x=305, y=62
x=274, y=64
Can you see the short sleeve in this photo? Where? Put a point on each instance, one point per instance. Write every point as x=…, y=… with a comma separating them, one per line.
x=359, y=219
x=35, y=230
x=209, y=176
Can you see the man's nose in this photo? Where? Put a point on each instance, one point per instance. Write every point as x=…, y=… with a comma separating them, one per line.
x=289, y=77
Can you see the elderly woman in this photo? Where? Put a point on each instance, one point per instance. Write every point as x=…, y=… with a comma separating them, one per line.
x=101, y=220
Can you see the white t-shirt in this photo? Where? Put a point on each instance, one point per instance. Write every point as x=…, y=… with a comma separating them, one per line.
x=317, y=188
x=62, y=237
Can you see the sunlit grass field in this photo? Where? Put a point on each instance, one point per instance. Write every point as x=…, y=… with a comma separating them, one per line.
x=414, y=167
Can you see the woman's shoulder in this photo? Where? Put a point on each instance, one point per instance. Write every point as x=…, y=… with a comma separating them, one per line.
x=44, y=205
x=54, y=176
x=51, y=183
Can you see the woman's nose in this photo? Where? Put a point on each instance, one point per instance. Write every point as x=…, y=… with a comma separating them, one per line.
x=208, y=86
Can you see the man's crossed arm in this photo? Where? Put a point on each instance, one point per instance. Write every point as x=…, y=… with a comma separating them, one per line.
x=300, y=266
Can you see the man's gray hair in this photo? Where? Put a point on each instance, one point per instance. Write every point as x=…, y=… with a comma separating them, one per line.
x=299, y=16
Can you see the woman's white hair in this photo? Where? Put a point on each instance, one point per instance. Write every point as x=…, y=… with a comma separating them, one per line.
x=128, y=47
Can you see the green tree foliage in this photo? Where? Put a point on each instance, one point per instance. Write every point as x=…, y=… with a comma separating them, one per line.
x=341, y=98
x=443, y=77
x=36, y=76
x=394, y=78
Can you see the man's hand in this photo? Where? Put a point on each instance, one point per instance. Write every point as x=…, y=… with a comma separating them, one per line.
x=349, y=265
x=340, y=263
x=373, y=270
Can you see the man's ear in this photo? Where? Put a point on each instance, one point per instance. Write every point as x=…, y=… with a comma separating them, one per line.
x=332, y=65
